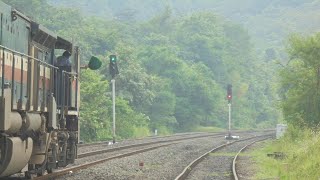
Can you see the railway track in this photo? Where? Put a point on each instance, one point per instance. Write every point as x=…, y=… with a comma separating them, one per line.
x=113, y=149
x=89, y=159
x=103, y=143
x=149, y=138
x=234, y=162
x=86, y=148
x=142, y=147
x=104, y=147
x=102, y=151
x=84, y=166
x=190, y=168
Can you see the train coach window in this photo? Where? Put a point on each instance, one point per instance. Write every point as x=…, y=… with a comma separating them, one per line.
x=40, y=55
x=47, y=58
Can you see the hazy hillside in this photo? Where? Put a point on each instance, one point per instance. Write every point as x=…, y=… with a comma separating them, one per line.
x=176, y=54
x=174, y=68
x=268, y=22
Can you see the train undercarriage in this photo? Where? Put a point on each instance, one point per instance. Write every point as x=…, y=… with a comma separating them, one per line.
x=28, y=139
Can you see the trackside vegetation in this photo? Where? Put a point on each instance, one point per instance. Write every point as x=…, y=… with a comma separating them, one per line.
x=301, y=162
x=300, y=91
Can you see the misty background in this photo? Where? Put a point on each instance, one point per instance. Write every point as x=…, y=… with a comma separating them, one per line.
x=176, y=58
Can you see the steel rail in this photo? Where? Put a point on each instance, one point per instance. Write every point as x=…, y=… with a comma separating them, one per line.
x=184, y=174
x=148, y=137
x=69, y=170
x=102, y=151
x=87, y=165
x=234, y=171
x=175, y=135
x=92, y=153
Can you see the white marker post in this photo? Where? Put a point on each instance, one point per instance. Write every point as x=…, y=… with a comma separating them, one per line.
x=229, y=129
x=114, y=109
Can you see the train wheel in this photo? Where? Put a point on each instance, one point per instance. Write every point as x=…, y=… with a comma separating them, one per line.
x=40, y=172
x=28, y=175
x=49, y=170
x=15, y=154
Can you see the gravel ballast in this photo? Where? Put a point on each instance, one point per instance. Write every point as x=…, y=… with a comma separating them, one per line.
x=163, y=163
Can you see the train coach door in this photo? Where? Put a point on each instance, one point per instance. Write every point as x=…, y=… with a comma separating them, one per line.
x=75, y=82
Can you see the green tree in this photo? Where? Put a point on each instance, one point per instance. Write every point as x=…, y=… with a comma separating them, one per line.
x=300, y=81
x=95, y=120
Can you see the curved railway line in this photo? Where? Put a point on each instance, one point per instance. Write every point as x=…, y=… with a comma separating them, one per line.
x=192, y=166
x=234, y=162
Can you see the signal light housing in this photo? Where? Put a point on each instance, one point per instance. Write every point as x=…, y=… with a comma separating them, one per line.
x=229, y=93
x=113, y=68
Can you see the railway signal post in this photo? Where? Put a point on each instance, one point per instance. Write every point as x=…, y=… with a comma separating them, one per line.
x=229, y=97
x=113, y=111
x=113, y=72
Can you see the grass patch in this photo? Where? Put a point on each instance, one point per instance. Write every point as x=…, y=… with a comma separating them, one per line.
x=213, y=174
x=139, y=132
x=301, y=146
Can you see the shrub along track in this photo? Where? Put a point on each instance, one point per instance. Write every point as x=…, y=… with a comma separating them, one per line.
x=219, y=163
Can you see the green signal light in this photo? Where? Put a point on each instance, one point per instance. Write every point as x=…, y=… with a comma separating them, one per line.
x=113, y=58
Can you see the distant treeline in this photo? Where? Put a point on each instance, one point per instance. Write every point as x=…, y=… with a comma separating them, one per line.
x=173, y=71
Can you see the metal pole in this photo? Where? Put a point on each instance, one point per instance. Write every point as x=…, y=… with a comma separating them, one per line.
x=3, y=59
x=229, y=130
x=114, y=109
x=3, y=62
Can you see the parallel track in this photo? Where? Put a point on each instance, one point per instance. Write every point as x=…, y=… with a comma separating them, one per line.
x=161, y=137
x=162, y=143
x=87, y=165
x=149, y=137
x=93, y=153
x=102, y=151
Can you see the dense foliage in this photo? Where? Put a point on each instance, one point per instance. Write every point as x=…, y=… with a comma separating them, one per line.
x=269, y=22
x=300, y=81
x=302, y=161
x=173, y=71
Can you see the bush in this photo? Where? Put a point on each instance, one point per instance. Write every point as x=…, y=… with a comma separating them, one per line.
x=302, y=161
